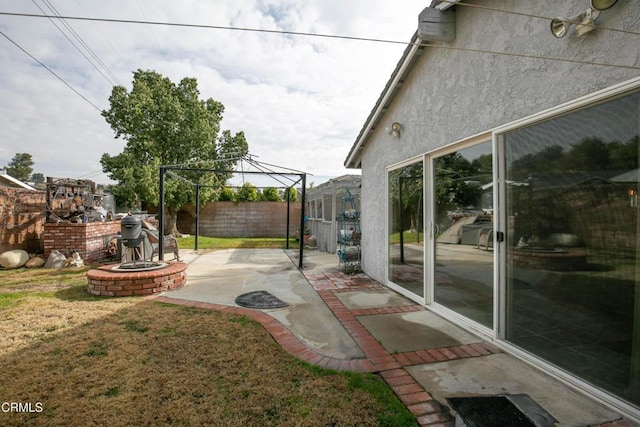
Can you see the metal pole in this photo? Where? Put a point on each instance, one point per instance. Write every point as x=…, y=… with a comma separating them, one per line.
x=302, y=203
x=197, y=216
x=287, y=193
x=161, y=215
x=401, y=221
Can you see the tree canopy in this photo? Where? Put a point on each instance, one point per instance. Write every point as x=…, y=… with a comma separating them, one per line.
x=164, y=123
x=37, y=178
x=270, y=194
x=590, y=154
x=20, y=167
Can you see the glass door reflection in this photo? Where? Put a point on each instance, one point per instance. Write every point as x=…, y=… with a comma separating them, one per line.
x=463, y=238
x=573, y=243
x=406, y=234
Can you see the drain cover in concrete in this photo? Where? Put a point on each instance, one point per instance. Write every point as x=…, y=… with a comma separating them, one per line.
x=488, y=411
x=504, y=375
x=260, y=300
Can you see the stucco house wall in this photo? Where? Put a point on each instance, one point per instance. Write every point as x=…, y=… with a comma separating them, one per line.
x=451, y=94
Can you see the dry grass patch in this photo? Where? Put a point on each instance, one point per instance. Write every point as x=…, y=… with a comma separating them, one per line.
x=133, y=362
x=38, y=303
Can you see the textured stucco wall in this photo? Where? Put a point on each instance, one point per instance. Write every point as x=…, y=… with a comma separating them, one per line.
x=454, y=94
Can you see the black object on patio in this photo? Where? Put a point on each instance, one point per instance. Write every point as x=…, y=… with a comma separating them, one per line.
x=260, y=300
x=518, y=410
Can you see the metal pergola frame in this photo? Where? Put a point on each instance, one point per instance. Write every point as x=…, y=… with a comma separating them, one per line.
x=285, y=174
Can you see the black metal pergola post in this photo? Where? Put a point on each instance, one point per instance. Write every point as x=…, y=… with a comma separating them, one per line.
x=302, y=203
x=287, y=194
x=195, y=244
x=163, y=170
x=168, y=169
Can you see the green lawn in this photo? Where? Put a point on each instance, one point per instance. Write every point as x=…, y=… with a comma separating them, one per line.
x=408, y=236
x=236, y=242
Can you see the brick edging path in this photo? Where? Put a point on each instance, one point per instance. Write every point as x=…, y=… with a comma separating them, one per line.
x=428, y=412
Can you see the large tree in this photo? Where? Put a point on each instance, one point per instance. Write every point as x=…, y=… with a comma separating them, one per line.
x=20, y=167
x=37, y=178
x=164, y=123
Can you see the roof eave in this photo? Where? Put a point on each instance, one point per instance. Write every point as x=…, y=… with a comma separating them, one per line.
x=444, y=4
x=395, y=82
x=17, y=182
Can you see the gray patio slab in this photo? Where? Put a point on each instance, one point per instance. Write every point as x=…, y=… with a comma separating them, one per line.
x=372, y=299
x=220, y=276
x=501, y=374
x=401, y=332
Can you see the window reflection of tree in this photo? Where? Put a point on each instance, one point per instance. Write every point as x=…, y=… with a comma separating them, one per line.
x=553, y=187
x=458, y=184
x=406, y=190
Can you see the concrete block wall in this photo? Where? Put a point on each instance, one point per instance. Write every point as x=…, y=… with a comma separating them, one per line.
x=89, y=239
x=242, y=219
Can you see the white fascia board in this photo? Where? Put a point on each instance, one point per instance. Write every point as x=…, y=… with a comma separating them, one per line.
x=381, y=105
x=447, y=4
x=17, y=182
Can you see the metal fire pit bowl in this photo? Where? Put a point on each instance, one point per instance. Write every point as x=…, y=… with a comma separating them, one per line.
x=139, y=266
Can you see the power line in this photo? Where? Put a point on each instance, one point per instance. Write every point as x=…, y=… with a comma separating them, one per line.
x=49, y=70
x=97, y=28
x=530, y=15
x=86, y=46
x=210, y=27
x=331, y=36
x=71, y=41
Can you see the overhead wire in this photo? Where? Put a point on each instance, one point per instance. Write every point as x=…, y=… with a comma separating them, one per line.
x=144, y=16
x=307, y=34
x=106, y=74
x=342, y=37
x=91, y=174
x=114, y=78
x=531, y=15
x=106, y=39
x=50, y=70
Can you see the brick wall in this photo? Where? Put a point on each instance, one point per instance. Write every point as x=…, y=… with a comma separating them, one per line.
x=243, y=219
x=22, y=216
x=89, y=239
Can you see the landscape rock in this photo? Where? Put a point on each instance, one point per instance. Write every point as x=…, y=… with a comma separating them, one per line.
x=56, y=260
x=35, y=262
x=13, y=259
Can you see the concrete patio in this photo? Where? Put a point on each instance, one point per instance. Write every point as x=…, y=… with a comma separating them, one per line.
x=351, y=322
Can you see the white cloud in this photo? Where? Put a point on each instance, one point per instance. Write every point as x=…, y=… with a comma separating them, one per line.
x=300, y=100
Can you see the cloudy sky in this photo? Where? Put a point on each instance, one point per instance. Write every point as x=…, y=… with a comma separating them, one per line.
x=300, y=100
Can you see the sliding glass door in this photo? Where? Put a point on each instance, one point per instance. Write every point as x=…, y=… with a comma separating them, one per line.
x=406, y=234
x=572, y=243
x=462, y=188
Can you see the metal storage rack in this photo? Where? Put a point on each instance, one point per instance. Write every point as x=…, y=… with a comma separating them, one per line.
x=349, y=234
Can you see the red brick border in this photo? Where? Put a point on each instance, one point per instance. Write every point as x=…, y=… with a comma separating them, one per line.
x=419, y=402
x=104, y=281
x=428, y=412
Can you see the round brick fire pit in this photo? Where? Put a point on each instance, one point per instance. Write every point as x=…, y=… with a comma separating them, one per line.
x=111, y=281
x=552, y=259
